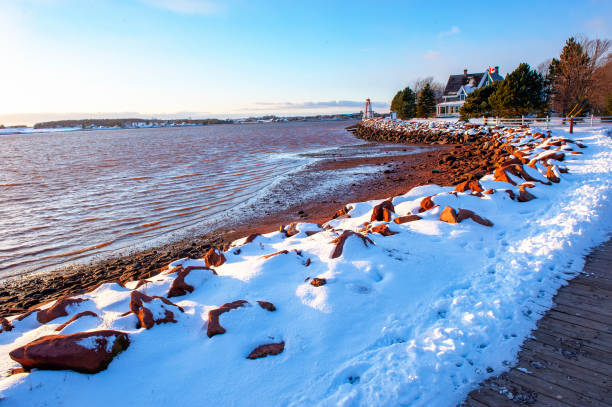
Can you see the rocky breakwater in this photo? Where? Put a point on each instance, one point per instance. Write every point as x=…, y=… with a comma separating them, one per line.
x=474, y=150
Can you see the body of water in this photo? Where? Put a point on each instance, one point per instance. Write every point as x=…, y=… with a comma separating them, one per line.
x=67, y=197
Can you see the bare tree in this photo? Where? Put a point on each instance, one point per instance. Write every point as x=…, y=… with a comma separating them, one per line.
x=437, y=87
x=573, y=77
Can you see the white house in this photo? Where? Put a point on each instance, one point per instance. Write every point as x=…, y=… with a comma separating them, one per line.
x=460, y=86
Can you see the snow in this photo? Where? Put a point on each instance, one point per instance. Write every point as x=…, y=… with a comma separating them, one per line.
x=419, y=318
x=94, y=342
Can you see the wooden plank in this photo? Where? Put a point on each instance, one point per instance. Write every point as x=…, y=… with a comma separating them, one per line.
x=490, y=394
x=584, y=303
x=591, y=283
x=587, y=323
x=535, y=361
x=555, y=391
x=593, y=313
x=571, y=350
x=472, y=402
x=590, y=337
x=568, y=380
x=587, y=362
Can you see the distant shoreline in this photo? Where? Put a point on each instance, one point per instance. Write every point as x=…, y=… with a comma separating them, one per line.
x=57, y=126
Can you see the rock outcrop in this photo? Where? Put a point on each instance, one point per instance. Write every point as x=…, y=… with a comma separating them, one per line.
x=144, y=306
x=266, y=350
x=85, y=352
x=214, y=326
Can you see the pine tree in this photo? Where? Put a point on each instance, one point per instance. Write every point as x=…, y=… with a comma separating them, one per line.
x=426, y=105
x=408, y=107
x=522, y=92
x=396, y=103
x=477, y=103
x=570, y=77
x=403, y=104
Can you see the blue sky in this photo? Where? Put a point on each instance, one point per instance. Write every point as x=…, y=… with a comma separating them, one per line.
x=239, y=57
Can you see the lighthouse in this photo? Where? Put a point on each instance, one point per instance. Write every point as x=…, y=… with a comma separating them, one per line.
x=367, y=113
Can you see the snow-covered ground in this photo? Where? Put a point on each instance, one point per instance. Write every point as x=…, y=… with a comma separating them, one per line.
x=418, y=318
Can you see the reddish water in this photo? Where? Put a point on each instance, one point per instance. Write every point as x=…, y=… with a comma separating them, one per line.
x=74, y=196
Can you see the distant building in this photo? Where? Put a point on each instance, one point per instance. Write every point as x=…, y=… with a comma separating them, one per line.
x=460, y=86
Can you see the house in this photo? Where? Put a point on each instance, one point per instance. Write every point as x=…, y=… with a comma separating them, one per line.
x=460, y=86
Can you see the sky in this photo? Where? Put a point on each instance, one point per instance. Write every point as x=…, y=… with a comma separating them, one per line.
x=236, y=58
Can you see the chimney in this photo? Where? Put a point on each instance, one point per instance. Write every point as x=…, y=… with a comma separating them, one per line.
x=465, y=72
x=497, y=69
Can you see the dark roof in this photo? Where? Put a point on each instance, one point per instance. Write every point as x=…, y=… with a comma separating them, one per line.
x=455, y=82
x=498, y=78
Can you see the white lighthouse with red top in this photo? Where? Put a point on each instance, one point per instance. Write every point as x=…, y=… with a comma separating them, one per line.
x=367, y=113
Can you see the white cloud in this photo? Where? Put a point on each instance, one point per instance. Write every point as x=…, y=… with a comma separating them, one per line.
x=186, y=6
x=431, y=55
x=454, y=30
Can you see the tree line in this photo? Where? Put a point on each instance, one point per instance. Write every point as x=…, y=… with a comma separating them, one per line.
x=580, y=79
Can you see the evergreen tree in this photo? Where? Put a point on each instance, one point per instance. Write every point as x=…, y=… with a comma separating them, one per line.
x=396, y=103
x=403, y=104
x=408, y=107
x=477, y=103
x=570, y=77
x=522, y=92
x=426, y=105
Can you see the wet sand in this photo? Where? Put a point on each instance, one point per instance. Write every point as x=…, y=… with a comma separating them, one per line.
x=396, y=175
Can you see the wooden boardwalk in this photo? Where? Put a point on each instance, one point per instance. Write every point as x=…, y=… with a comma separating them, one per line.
x=568, y=359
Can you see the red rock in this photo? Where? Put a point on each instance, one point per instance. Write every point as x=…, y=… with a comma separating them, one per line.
x=214, y=258
x=449, y=215
x=17, y=370
x=341, y=212
x=214, y=327
x=406, y=219
x=383, y=230
x=290, y=231
x=576, y=152
x=382, y=211
x=563, y=170
x=74, y=318
x=489, y=191
x=267, y=256
x=318, y=282
x=57, y=310
x=550, y=174
x=145, y=315
x=501, y=174
x=251, y=237
x=85, y=352
x=468, y=214
x=472, y=185
x=427, y=204
x=6, y=325
x=179, y=285
x=27, y=314
x=307, y=262
x=266, y=305
x=510, y=194
x=524, y=195
x=340, y=240
x=140, y=283
x=265, y=350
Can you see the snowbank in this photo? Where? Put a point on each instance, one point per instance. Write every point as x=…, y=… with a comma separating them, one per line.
x=418, y=317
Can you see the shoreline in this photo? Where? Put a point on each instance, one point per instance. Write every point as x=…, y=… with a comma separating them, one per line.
x=398, y=174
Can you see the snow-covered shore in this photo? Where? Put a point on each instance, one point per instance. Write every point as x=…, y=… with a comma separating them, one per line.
x=413, y=311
